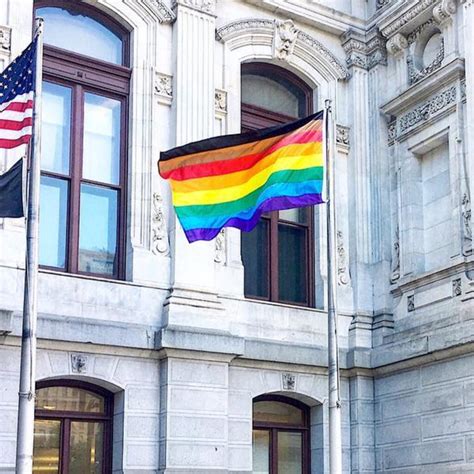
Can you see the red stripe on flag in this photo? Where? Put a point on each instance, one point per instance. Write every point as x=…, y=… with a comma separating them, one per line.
x=13, y=125
x=4, y=143
x=19, y=106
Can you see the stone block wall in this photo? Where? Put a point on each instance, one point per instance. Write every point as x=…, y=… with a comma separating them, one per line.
x=424, y=418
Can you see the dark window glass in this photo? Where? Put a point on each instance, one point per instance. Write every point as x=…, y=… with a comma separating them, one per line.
x=277, y=255
x=83, y=141
x=81, y=34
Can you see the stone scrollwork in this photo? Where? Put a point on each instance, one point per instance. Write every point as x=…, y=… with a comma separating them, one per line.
x=160, y=245
x=365, y=51
x=220, y=248
x=5, y=38
x=443, y=12
x=466, y=224
x=342, y=271
x=79, y=363
x=220, y=100
x=284, y=39
x=288, y=381
x=382, y=3
x=342, y=136
x=205, y=6
x=410, y=303
x=397, y=44
x=415, y=74
x=395, y=273
x=163, y=87
x=457, y=287
x=228, y=31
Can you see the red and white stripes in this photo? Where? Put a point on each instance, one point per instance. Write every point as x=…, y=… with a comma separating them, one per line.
x=16, y=120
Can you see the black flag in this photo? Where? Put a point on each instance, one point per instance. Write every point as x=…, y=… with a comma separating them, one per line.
x=11, y=191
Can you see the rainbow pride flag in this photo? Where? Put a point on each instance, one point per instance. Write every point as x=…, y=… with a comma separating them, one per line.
x=229, y=181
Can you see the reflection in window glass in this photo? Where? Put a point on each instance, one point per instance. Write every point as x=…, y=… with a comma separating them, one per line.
x=52, y=223
x=98, y=230
x=298, y=215
x=277, y=412
x=80, y=34
x=255, y=257
x=56, y=128
x=60, y=398
x=261, y=452
x=86, y=448
x=292, y=284
x=290, y=452
x=46, y=446
x=101, y=139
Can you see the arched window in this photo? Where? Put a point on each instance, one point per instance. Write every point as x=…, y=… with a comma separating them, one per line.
x=84, y=129
x=73, y=433
x=278, y=254
x=280, y=438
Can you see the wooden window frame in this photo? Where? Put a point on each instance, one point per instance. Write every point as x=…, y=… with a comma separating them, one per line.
x=86, y=74
x=253, y=117
x=65, y=418
x=274, y=428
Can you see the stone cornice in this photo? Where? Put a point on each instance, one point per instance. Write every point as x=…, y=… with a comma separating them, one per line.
x=202, y=6
x=365, y=51
x=154, y=8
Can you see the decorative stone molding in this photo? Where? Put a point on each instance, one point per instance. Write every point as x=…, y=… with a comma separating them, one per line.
x=342, y=270
x=466, y=224
x=152, y=9
x=415, y=74
x=160, y=245
x=79, y=363
x=399, y=22
x=457, y=287
x=397, y=44
x=410, y=303
x=392, y=132
x=220, y=255
x=382, y=3
x=420, y=30
x=395, y=273
x=220, y=101
x=284, y=39
x=305, y=46
x=463, y=89
x=5, y=39
x=288, y=382
x=204, y=6
x=444, y=12
x=342, y=136
x=365, y=51
x=164, y=87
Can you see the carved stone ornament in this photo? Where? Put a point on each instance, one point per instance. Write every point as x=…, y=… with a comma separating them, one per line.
x=382, y=3
x=5, y=38
x=342, y=271
x=288, y=382
x=226, y=32
x=415, y=74
x=466, y=224
x=417, y=32
x=164, y=87
x=463, y=89
x=397, y=44
x=205, y=6
x=160, y=243
x=395, y=273
x=220, y=255
x=342, y=135
x=411, y=303
x=392, y=132
x=457, y=287
x=284, y=39
x=365, y=51
x=79, y=363
x=220, y=100
x=444, y=12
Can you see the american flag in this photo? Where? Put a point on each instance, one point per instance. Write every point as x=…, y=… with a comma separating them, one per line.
x=16, y=99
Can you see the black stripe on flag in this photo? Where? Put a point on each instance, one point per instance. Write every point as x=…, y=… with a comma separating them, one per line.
x=11, y=191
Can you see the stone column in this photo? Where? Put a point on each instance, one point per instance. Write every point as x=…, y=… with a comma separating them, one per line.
x=193, y=301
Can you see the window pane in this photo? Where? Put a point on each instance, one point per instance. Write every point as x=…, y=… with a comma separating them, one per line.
x=101, y=138
x=277, y=412
x=56, y=128
x=69, y=399
x=275, y=95
x=53, y=219
x=292, y=278
x=80, y=34
x=290, y=453
x=260, y=452
x=86, y=448
x=46, y=446
x=98, y=230
x=255, y=257
x=298, y=215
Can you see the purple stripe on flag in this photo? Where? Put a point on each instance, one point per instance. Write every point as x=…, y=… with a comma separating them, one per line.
x=246, y=225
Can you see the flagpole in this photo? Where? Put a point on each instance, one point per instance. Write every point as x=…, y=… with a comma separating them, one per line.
x=335, y=444
x=26, y=401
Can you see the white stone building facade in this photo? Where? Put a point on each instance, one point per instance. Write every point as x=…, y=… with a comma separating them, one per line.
x=174, y=341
